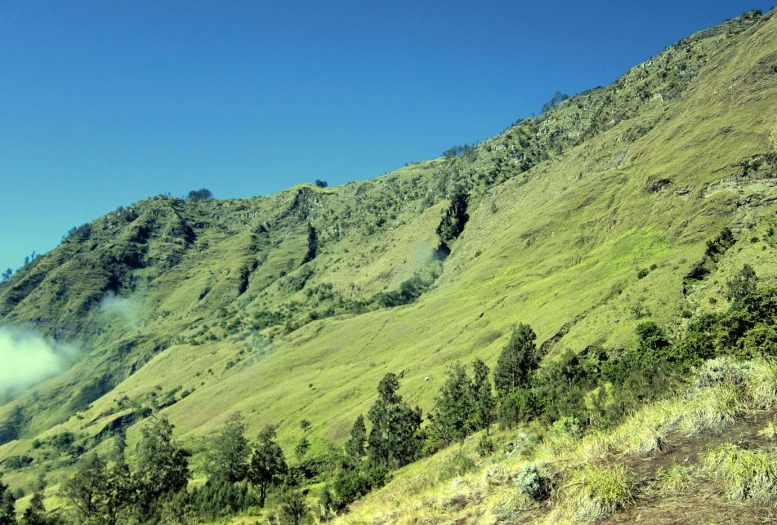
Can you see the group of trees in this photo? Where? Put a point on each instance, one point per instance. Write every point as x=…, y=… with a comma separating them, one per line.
x=8, y=273
x=203, y=194
x=107, y=492
x=558, y=98
x=457, y=151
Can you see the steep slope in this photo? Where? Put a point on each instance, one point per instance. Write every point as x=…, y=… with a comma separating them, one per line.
x=279, y=306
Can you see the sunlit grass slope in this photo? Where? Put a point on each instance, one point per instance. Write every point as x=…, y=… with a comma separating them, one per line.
x=271, y=305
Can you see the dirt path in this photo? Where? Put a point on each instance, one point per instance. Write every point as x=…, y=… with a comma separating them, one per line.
x=704, y=501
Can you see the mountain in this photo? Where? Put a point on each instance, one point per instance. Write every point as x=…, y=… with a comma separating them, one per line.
x=583, y=222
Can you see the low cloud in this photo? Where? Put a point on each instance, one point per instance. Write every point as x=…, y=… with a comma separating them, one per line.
x=126, y=308
x=27, y=358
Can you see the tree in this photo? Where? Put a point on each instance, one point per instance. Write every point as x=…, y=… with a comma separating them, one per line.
x=517, y=360
x=203, y=194
x=393, y=439
x=452, y=223
x=453, y=406
x=744, y=283
x=321, y=183
x=354, y=447
x=6, y=274
x=294, y=510
x=87, y=490
x=7, y=505
x=558, y=98
x=162, y=465
x=302, y=448
x=268, y=464
x=228, y=457
x=485, y=404
x=35, y=514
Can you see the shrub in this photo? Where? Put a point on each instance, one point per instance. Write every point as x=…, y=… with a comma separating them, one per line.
x=534, y=481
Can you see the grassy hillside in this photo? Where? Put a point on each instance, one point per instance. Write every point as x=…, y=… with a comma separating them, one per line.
x=582, y=222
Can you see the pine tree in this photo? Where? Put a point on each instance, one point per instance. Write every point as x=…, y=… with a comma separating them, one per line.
x=7, y=505
x=228, y=457
x=268, y=464
x=393, y=439
x=485, y=404
x=517, y=361
x=354, y=447
x=162, y=465
x=454, y=406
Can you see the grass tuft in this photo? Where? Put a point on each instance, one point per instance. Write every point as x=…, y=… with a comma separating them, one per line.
x=672, y=481
x=747, y=474
x=598, y=492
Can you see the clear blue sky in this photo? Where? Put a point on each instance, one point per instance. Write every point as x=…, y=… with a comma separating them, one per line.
x=104, y=103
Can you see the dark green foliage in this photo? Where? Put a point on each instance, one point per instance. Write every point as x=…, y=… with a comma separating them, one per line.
x=11, y=427
x=326, y=504
x=78, y=233
x=218, y=499
x=354, y=447
x=517, y=360
x=268, y=463
x=718, y=246
x=304, y=425
x=293, y=509
x=743, y=284
x=455, y=218
x=454, y=407
x=485, y=446
x=228, y=456
x=88, y=490
x=6, y=275
x=312, y=246
x=321, y=183
x=457, y=151
x=200, y=195
x=482, y=396
x=302, y=448
x=393, y=440
x=7, y=505
x=35, y=514
x=349, y=486
x=162, y=465
x=409, y=291
x=17, y=462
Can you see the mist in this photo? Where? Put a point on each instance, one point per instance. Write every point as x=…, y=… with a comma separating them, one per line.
x=27, y=358
x=127, y=309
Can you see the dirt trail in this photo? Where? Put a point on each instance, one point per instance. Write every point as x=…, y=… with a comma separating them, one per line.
x=704, y=501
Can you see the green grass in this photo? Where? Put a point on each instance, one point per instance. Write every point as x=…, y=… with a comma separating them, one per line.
x=558, y=245
x=747, y=474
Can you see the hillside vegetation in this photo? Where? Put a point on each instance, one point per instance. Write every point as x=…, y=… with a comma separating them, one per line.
x=634, y=203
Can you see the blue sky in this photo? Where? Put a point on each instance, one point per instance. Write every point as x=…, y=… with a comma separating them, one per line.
x=106, y=103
